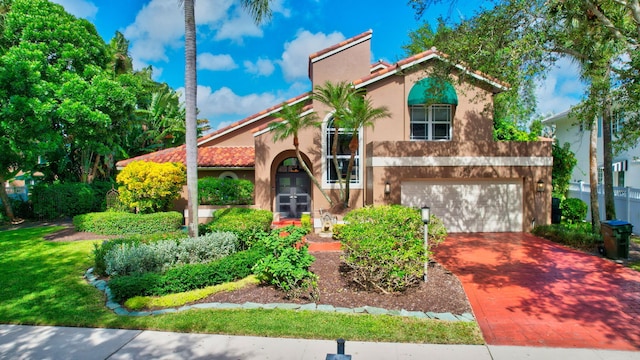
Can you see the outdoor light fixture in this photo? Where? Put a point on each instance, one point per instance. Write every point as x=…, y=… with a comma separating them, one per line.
x=540, y=186
x=426, y=214
x=387, y=188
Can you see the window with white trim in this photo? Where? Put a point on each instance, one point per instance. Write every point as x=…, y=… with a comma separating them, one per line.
x=343, y=155
x=431, y=122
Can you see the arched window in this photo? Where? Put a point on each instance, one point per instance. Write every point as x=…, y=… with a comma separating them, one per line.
x=331, y=176
x=431, y=105
x=228, y=175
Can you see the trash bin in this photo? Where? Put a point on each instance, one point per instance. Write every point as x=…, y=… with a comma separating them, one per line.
x=615, y=234
x=556, y=213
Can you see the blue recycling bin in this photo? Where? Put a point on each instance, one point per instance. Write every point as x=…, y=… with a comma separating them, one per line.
x=615, y=234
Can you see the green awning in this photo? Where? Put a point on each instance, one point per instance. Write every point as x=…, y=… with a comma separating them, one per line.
x=432, y=91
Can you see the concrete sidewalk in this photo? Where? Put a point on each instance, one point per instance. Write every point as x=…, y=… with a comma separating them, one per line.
x=46, y=342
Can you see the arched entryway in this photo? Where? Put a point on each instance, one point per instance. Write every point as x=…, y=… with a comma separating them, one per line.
x=293, y=189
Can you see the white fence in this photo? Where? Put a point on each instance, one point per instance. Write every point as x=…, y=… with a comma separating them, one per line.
x=627, y=202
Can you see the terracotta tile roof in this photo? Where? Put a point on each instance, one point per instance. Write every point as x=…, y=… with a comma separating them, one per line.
x=340, y=44
x=425, y=55
x=211, y=157
x=380, y=64
x=203, y=139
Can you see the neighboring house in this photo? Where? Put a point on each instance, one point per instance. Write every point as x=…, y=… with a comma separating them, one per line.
x=442, y=156
x=626, y=164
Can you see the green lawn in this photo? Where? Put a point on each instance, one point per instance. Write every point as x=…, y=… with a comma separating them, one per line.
x=43, y=285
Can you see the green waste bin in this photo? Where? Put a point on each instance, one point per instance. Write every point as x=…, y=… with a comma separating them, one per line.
x=615, y=234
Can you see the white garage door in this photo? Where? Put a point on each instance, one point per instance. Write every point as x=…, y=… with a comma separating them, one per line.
x=469, y=206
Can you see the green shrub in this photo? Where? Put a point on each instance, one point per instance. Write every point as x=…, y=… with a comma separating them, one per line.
x=21, y=209
x=384, y=247
x=215, y=191
x=52, y=201
x=250, y=225
x=126, y=259
x=287, y=265
x=186, y=277
x=305, y=222
x=122, y=223
x=151, y=187
x=100, y=251
x=577, y=236
x=574, y=210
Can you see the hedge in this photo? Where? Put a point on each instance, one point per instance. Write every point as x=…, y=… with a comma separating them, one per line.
x=122, y=223
x=52, y=201
x=250, y=225
x=215, y=191
x=187, y=277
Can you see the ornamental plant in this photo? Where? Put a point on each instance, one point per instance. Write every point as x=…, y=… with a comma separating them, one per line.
x=151, y=187
x=384, y=247
x=287, y=264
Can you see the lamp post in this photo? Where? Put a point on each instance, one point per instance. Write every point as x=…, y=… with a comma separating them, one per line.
x=426, y=214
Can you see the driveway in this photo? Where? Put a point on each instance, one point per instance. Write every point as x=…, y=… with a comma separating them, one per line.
x=527, y=291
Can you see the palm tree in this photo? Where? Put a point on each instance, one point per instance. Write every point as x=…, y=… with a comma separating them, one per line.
x=293, y=121
x=361, y=114
x=336, y=96
x=259, y=10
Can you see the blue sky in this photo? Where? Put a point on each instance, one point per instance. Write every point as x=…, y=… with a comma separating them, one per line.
x=244, y=68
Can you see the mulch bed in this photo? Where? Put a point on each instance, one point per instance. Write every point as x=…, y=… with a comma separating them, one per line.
x=442, y=293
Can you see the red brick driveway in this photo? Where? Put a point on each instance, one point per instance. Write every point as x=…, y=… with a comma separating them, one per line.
x=528, y=291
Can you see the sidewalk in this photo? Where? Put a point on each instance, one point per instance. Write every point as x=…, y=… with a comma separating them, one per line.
x=46, y=342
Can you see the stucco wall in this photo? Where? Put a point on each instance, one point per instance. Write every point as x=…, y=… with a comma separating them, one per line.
x=391, y=162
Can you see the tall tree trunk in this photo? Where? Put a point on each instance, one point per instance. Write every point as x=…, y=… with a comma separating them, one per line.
x=609, y=201
x=593, y=177
x=336, y=163
x=353, y=148
x=190, y=82
x=5, y=200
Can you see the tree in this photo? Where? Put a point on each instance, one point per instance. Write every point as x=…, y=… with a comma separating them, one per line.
x=360, y=114
x=163, y=121
x=53, y=83
x=292, y=122
x=563, y=163
x=337, y=97
x=259, y=10
x=598, y=35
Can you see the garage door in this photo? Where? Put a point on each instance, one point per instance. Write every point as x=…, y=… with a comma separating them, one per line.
x=469, y=206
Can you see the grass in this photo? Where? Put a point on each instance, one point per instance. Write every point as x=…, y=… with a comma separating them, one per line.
x=43, y=285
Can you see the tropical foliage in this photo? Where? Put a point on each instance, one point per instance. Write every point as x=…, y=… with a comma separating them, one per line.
x=150, y=187
x=71, y=105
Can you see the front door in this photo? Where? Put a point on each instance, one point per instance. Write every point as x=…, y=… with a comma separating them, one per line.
x=293, y=187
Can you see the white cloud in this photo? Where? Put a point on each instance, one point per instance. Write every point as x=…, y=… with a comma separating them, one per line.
x=156, y=27
x=239, y=26
x=262, y=67
x=79, y=8
x=208, y=61
x=561, y=89
x=224, y=102
x=160, y=25
x=295, y=58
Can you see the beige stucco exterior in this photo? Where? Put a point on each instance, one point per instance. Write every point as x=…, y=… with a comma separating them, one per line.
x=387, y=155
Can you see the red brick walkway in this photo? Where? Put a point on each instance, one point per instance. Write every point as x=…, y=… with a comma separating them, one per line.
x=528, y=291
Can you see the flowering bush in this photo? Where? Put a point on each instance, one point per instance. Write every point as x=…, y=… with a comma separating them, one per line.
x=151, y=187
